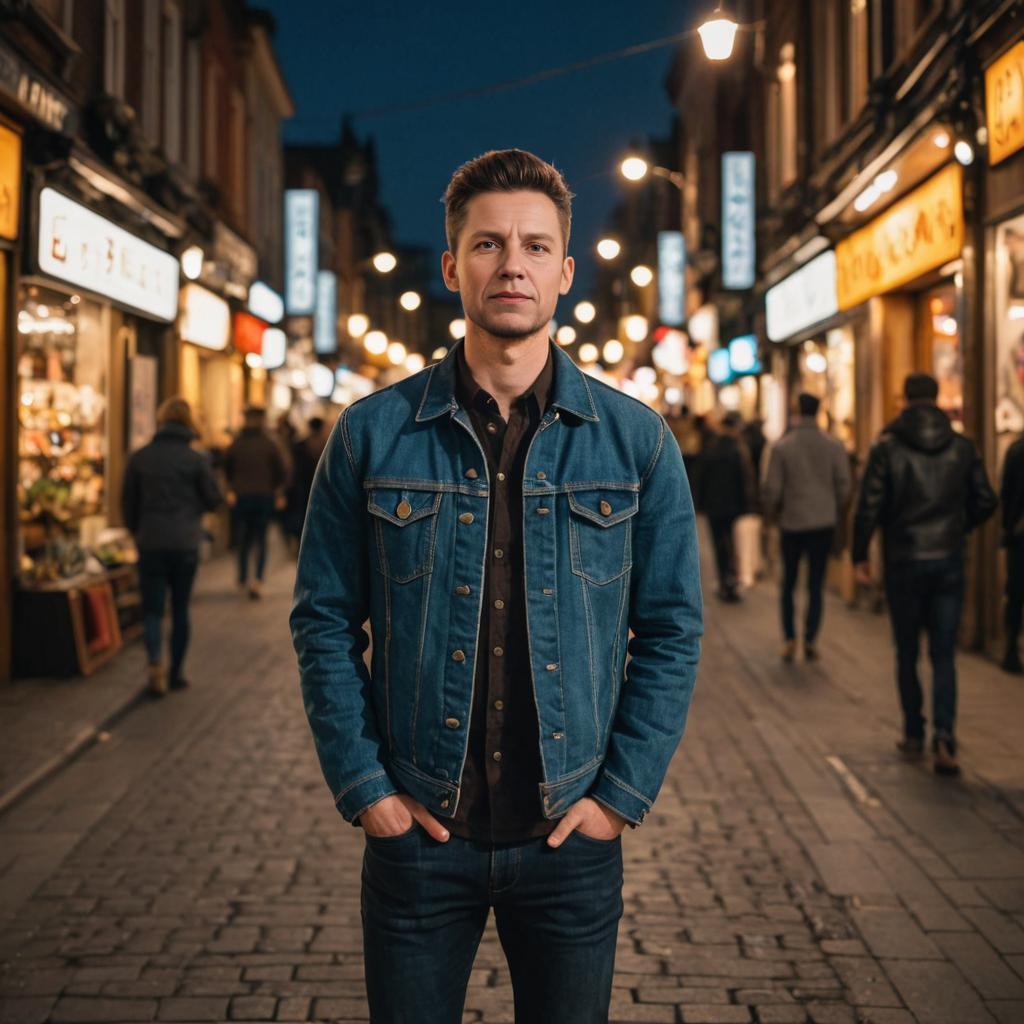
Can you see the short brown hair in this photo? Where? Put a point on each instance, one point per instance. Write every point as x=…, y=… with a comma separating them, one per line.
x=176, y=410
x=504, y=170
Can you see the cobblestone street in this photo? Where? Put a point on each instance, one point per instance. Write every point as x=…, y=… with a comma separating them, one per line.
x=191, y=867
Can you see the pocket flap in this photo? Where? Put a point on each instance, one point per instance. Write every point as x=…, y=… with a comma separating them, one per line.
x=604, y=507
x=402, y=507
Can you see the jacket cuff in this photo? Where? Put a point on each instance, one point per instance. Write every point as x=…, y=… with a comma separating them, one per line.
x=620, y=798
x=363, y=793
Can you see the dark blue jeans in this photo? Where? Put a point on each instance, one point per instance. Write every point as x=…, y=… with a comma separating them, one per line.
x=252, y=518
x=425, y=905
x=926, y=595
x=815, y=544
x=160, y=572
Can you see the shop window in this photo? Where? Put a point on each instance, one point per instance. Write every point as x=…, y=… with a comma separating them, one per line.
x=62, y=436
x=942, y=356
x=1008, y=316
x=826, y=369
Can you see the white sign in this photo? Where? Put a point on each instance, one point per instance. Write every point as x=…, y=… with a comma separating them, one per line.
x=275, y=348
x=302, y=231
x=325, y=335
x=803, y=299
x=142, y=415
x=738, y=254
x=265, y=303
x=79, y=246
x=205, y=318
x=671, y=278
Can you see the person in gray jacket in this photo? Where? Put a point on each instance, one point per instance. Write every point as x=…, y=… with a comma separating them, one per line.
x=167, y=488
x=806, y=487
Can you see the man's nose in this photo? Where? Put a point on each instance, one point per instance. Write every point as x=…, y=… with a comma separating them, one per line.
x=512, y=265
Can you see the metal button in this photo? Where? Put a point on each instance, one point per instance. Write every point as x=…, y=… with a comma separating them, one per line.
x=547, y=591
x=462, y=589
x=499, y=651
x=499, y=604
x=553, y=667
x=458, y=655
x=471, y=474
x=467, y=518
x=542, y=476
x=498, y=553
x=543, y=511
x=492, y=428
x=501, y=476
x=452, y=723
x=557, y=735
x=444, y=803
x=499, y=705
x=496, y=755
x=404, y=510
x=606, y=509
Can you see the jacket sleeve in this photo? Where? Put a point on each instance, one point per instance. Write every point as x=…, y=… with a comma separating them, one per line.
x=666, y=617
x=771, y=489
x=330, y=606
x=130, y=498
x=871, y=501
x=209, y=491
x=981, y=499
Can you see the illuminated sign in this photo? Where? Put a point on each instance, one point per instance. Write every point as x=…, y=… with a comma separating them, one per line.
x=325, y=336
x=671, y=278
x=719, y=369
x=922, y=231
x=738, y=254
x=248, y=337
x=743, y=355
x=205, y=318
x=803, y=299
x=265, y=303
x=275, y=348
x=10, y=182
x=1004, y=104
x=301, y=235
x=79, y=246
x=31, y=93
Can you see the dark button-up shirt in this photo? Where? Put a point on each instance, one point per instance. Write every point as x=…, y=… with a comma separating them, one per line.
x=500, y=798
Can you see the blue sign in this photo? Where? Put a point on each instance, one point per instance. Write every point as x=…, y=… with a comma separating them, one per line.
x=738, y=245
x=719, y=370
x=325, y=333
x=671, y=278
x=301, y=235
x=743, y=359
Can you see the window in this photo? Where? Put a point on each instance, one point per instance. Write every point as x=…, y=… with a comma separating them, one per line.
x=787, y=126
x=237, y=153
x=827, y=73
x=172, y=80
x=113, y=47
x=858, y=56
x=211, y=103
x=193, y=108
x=151, y=70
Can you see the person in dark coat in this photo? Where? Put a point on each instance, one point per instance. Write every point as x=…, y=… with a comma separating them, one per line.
x=1011, y=493
x=926, y=487
x=305, y=457
x=167, y=488
x=256, y=473
x=727, y=488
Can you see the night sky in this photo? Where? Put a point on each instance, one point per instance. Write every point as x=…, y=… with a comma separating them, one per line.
x=341, y=57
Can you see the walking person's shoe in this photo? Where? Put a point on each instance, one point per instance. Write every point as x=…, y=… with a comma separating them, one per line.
x=255, y=590
x=944, y=752
x=911, y=747
x=1011, y=662
x=810, y=651
x=788, y=651
x=178, y=681
x=157, y=680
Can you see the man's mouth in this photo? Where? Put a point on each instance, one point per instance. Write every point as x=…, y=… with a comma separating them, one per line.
x=510, y=297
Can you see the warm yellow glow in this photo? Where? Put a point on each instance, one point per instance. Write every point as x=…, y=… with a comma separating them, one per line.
x=438, y=354
x=410, y=301
x=634, y=168
x=376, y=343
x=358, y=325
x=717, y=37
x=253, y=361
x=397, y=353
x=941, y=140
x=457, y=328
x=566, y=335
x=385, y=262
x=192, y=262
x=588, y=353
x=608, y=248
x=641, y=276
x=636, y=327
x=613, y=350
x=584, y=312
x=414, y=362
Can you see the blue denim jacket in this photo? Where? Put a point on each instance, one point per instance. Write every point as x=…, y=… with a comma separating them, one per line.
x=396, y=534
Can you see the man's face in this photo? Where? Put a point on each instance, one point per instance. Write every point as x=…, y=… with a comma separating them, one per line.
x=509, y=265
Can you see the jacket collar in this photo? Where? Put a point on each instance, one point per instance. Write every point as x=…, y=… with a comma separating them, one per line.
x=570, y=391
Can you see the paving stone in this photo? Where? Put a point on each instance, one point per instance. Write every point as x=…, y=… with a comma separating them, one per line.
x=252, y=1008
x=71, y=1009
x=184, y=1008
x=892, y=932
x=1006, y=1012
x=936, y=992
x=716, y=1014
x=31, y=1010
x=780, y=1014
x=293, y=1008
x=981, y=965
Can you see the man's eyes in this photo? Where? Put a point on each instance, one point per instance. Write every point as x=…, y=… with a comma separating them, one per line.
x=488, y=245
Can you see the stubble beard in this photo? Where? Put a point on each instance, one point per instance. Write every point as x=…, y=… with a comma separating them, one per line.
x=510, y=333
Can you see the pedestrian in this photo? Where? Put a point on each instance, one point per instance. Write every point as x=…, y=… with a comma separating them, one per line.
x=503, y=521
x=727, y=480
x=167, y=488
x=925, y=486
x=805, y=491
x=749, y=530
x=689, y=435
x=305, y=456
x=1012, y=498
x=256, y=474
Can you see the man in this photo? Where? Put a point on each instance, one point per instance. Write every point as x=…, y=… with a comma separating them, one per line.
x=1011, y=494
x=805, y=491
x=256, y=473
x=926, y=487
x=503, y=521
x=727, y=492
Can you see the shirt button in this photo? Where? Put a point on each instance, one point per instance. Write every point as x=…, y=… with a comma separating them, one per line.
x=458, y=655
x=404, y=510
x=543, y=511
x=501, y=476
x=499, y=651
x=553, y=667
x=492, y=428
x=471, y=474
x=462, y=589
x=452, y=723
x=444, y=803
x=496, y=755
x=606, y=509
x=466, y=517
x=499, y=604
x=498, y=553
x=556, y=735
x=499, y=705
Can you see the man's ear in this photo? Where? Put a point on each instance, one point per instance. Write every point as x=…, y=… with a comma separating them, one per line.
x=449, y=272
x=568, y=270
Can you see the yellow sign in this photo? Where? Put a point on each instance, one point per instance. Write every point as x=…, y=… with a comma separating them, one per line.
x=10, y=182
x=919, y=233
x=1004, y=104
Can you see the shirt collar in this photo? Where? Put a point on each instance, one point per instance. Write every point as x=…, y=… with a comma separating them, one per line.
x=470, y=394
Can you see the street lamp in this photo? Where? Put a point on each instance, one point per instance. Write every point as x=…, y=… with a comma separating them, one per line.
x=584, y=312
x=565, y=335
x=641, y=276
x=608, y=248
x=718, y=34
x=636, y=327
x=376, y=343
x=384, y=262
x=358, y=325
x=613, y=351
x=636, y=168
x=410, y=301
x=396, y=353
x=457, y=328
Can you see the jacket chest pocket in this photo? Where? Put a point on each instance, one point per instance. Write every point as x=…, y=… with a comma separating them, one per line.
x=405, y=531
x=600, y=533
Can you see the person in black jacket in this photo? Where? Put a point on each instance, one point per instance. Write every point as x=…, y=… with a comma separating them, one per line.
x=926, y=487
x=167, y=488
x=1011, y=493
